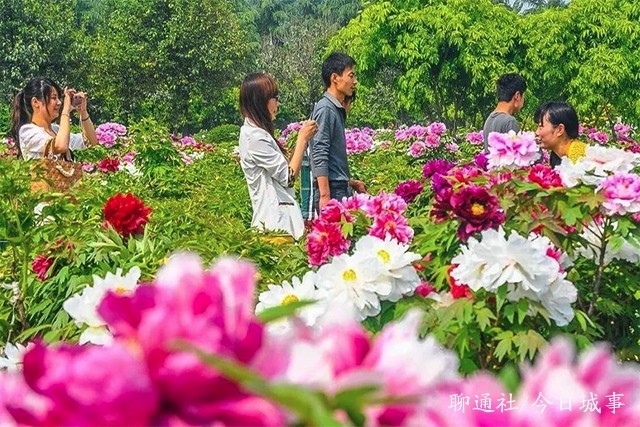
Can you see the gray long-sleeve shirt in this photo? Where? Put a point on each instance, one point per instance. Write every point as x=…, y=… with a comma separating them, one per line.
x=328, y=148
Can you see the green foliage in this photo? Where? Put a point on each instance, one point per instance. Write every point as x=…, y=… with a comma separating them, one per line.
x=223, y=133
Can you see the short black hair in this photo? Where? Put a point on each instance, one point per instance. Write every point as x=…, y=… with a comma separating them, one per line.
x=509, y=84
x=337, y=62
x=559, y=112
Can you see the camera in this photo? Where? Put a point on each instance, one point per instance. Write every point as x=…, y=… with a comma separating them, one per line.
x=76, y=101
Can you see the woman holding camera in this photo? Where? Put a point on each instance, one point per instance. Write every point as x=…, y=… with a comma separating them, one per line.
x=35, y=108
x=269, y=173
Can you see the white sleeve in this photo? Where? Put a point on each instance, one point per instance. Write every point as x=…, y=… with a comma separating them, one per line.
x=32, y=141
x=265, y=154
x=76, y=142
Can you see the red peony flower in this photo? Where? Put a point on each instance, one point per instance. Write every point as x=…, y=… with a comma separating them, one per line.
x=409, y=190
x=126, y=214
x=457, y=290
x=108, y=164
x=40, y=266
x=544, y=176
x=477, y=210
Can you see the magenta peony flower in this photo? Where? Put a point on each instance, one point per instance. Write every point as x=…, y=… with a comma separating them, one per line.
x=481, y=161
x=86, y=386
x=477, y=210
x=108, y=164
x=441, y=210
x=622, y=193
x=598, y=136
x=391, y=224
x=40, y=266
x=545, y=176
x=437, y=166
x=425, y=289
x=409, y=190
x=325, y=240
x=334, y=211
x=212, y=310
x=439, y=183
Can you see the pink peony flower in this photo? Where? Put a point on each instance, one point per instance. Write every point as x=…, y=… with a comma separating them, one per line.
x=212, y=310
x=334, y=211
x=475, y=138
x=432, y=141
x=425, y=289
x=437, y=128
x=325, y=240
x=622, y=193
x=88, y=167
x=599, y=136
x=409, y=190
x=384, y=203
x=417, y=149
x=512, y=149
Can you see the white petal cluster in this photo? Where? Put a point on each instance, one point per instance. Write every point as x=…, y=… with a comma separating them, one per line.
x=82, y=307
x=523, y=264
x=591, y=250
x=11, y=357
x=286, y=293
x=378, y=270
x=597, y=164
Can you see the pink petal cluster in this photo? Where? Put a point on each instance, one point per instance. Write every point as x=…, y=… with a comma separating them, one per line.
x=512, y=149
x=622, y=131
x=291, y=127
x=417, y=149
x=143, y=378
x=187, y=141
x=88, y=167
x=598, y=136
x=108, y=165
x=108, y=133
x=475, y=138
x=622, y=193
x=437, y=128
x=414, y=131
x=359, y=140
x=325, y=240
x=432, y=140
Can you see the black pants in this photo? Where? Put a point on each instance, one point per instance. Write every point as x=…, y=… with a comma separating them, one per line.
x=337, y=189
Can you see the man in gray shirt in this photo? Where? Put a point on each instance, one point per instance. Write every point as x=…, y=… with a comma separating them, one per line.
x=328, y=149
x=510, y=88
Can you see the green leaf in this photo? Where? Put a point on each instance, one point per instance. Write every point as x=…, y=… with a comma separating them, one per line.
x=274, y=313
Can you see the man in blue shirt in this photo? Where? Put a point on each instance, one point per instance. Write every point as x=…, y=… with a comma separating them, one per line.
x=328, y=149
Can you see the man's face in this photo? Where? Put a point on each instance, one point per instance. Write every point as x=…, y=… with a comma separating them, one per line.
x=519, y=98
x=346, y=82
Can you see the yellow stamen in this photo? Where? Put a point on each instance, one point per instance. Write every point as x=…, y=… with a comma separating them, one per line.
x=349, y=275
x=477, y=209
x=384, y=256
x=289, y=299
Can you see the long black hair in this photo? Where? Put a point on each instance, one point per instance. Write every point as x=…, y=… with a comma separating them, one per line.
x=21, y=109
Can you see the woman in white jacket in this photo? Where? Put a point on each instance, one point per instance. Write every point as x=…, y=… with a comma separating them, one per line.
x=269, y=174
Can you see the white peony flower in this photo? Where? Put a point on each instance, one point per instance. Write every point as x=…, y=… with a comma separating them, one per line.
x=82, y=307
x=592, y=234
x=495, y=261
x=351, y=279
x=11, y=357
x=598, y=163
x=288, y=293
x=395, y=264
x=130, y=168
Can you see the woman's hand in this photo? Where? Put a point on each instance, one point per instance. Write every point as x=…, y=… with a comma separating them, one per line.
x=81, y=98
x=308, y=129
x=68, y=98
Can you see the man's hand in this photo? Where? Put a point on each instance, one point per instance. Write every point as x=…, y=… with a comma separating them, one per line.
x=324, y=199
x=357, y=185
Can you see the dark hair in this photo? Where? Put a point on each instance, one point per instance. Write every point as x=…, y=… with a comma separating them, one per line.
x=337, y=62
x=508, y=85
x=559, y=112
x=21, y=109
x=255, y=92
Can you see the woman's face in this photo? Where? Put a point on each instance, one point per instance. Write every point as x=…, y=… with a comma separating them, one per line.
x=272, y=106
x=549, y=135
x=48, y=110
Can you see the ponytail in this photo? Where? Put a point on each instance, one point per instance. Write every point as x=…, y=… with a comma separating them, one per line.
x=19, y=116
